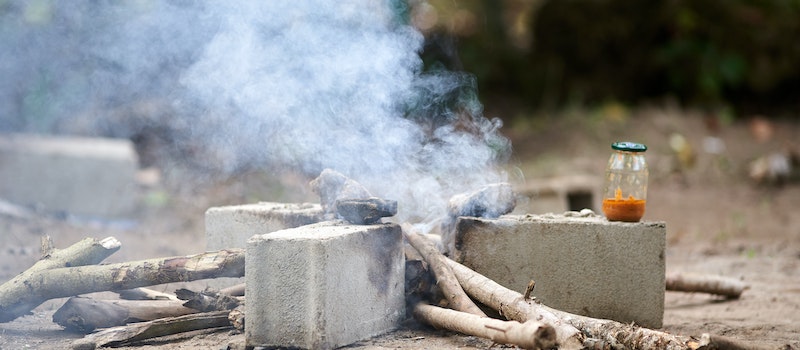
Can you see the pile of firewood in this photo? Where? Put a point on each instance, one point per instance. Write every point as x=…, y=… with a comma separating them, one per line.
x=74, y=271
x=439, y=292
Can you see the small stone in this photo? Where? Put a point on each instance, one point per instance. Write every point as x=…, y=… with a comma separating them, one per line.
x=365, y=211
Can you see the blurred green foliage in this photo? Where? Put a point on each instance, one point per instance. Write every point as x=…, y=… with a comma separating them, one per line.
x=547, y=53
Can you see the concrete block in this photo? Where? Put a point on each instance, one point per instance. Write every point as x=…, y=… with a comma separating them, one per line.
x=581, y=263
x=324, y=285
x=89, y=177
x=559, y=194
x=231, y=226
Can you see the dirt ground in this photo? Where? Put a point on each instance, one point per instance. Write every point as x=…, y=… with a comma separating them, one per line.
x=718, y=222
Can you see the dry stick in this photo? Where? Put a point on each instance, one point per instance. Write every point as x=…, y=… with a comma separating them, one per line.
x=234, y=291
x=145, y=294
x=135, y=332
x=35, y=288
x=84, y=315
x=725, y=286
x=513, y=305
x=528, y=335
x=14, y=301
x=456, y=297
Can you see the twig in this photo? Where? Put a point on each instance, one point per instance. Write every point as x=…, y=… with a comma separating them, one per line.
x=528, y=335
x=728, y=287
x=456, y=297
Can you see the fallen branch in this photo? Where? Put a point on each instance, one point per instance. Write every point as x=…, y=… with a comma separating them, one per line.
x=145, y=294
x=513, y=305
x=39, y=286
x=84, y=315
x=528, y=335
x=234, y=291
x=15, y=294
x=607, y=332
x=136, y=332
x=728, y=287
x=207, y=300
x=452, y=291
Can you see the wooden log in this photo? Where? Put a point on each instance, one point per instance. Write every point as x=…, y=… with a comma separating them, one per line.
x=445, y=279
x=145, y=294
x=37, y=287
x=608, y=332
x=84, y=315
x=237, y=319
x=234, y=291
x=528, y=335
x=136, y=332
x=513, y=305
x=207, y=300
x=15, y=294
x=727, y=287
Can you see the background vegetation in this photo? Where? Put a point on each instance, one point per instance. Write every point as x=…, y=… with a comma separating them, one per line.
x=739, y=54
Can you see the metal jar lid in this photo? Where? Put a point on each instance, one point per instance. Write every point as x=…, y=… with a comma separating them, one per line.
x=629, y=146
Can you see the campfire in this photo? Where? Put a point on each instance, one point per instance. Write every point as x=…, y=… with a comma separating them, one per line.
x=438, y=290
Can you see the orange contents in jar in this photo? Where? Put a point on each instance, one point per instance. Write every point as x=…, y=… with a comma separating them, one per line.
x=623, y=209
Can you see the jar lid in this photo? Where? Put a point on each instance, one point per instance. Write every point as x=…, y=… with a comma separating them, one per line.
x=629, y=146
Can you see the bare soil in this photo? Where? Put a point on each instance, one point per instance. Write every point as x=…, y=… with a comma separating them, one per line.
x=718, y=222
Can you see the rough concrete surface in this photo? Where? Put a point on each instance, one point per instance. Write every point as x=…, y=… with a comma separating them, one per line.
x=324, y=285
x=231, y=226
x=88, y=177
x=581, y=263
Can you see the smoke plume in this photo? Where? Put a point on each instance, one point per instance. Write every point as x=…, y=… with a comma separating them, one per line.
x=303, y=85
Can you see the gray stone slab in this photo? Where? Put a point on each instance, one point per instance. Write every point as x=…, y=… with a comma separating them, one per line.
x=559, y=194
x=581, y=263
x=324, y=285
x=89, y=177
x=231, y=226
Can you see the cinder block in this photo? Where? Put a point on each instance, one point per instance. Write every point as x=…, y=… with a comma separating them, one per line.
x=90, y=177
x=559, y=194
x=324, y=285
x=231, y=226
x=582, y=264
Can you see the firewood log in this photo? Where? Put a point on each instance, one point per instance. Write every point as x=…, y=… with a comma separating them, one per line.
x=32, y=289
x=18, y=297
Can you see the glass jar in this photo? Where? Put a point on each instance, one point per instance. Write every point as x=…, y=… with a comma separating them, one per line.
x=625, y=188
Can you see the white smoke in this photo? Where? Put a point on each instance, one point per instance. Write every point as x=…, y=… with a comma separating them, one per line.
x=305, y=85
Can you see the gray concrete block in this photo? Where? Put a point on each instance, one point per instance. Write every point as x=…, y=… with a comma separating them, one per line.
x=559, y=194
x=231, y=226
x=89, y=177
x=324, y=285
x=582, y=264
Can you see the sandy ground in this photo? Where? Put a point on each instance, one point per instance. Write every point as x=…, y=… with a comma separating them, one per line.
x=718, y=222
